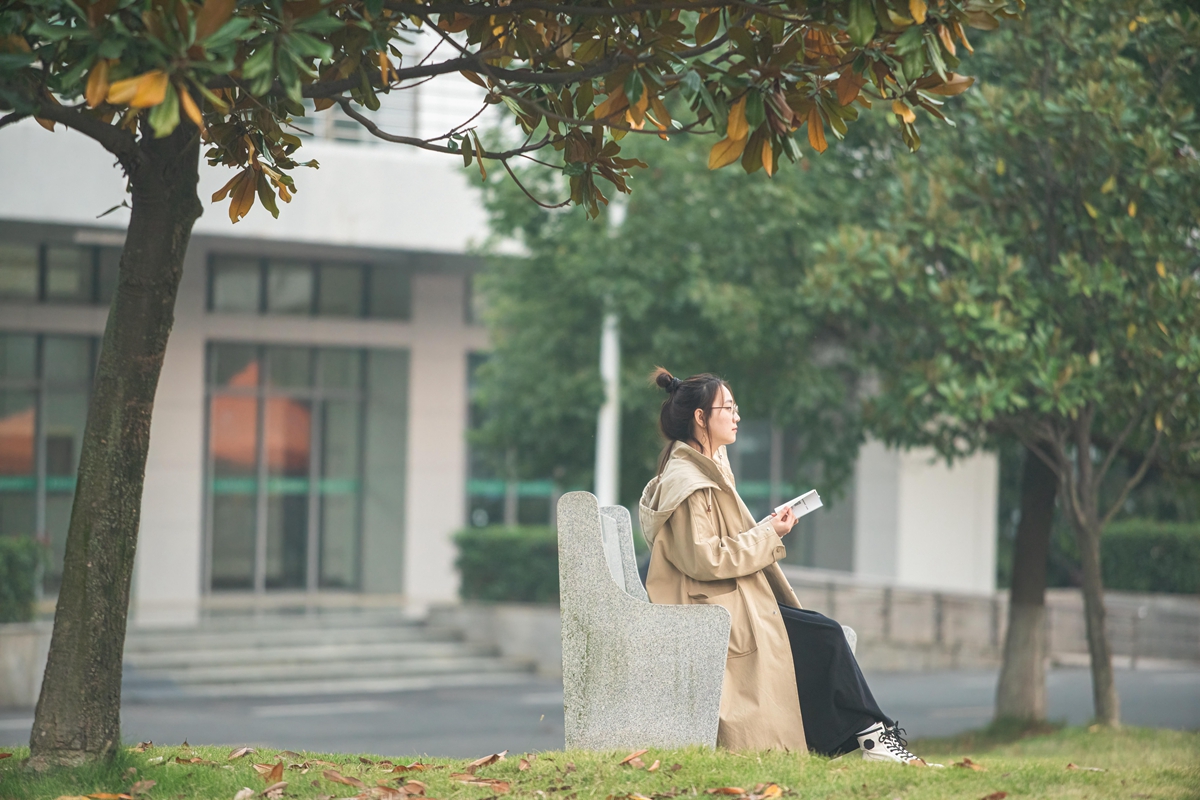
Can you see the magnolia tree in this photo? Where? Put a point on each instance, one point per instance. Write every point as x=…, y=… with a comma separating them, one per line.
x=155, y=82
x=1039, y=277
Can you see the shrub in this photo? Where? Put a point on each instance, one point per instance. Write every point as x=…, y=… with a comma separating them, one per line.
x=20, y=557
x=518, y=564
x=1148, y=556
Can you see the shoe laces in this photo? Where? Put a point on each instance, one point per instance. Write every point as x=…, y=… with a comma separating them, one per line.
x=893, y=739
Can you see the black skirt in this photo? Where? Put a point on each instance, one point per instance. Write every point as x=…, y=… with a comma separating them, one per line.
x=835, y=701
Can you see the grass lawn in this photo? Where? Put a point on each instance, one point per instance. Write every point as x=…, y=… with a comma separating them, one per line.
x=1136, y=763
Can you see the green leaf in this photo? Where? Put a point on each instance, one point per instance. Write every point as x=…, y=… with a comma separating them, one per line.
x=634, y=87
x=164, y=117
x=861, y=25
x=322, y=24
x=227, y=34
x=756, y=113
x=310, y=46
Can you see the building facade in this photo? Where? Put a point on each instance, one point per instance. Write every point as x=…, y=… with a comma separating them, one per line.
x=309, y=431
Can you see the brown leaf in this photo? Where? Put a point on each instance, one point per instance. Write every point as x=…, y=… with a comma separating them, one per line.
x=263, y=769
x=497, y=786
x=415, y=787
x=241, y=751
x=274, y=790
x=337, y=777
x=816, y=131
x=365, y=760
x=632, y=756
x=770, y=791
x=244, y=793
x=5, y=755
x=725, y=152
x=522, y=765
x=729, y=790
x=322, y=763
x=212, y=15
x=654, y=767
x=97, y=85
x=676, y=767
x=995, y=796
x=967, y=763
x=106, y=796
x=276, y=773
x=141, y=787
x=486, y=761
x=570, y=766
x=290, y=754
x=142, y=747
x=1086, y=769
x=416, y=766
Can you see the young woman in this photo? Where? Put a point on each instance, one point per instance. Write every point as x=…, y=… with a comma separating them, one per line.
x=706, y=548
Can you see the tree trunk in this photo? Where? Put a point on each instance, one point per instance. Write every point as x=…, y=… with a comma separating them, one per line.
x=79, y=710
x=1021, y=693
x=1104, y=689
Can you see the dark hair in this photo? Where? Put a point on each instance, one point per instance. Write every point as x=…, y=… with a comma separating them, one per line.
x=676, y=419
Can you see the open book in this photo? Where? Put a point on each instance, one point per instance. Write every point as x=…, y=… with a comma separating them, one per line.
x=803, y=504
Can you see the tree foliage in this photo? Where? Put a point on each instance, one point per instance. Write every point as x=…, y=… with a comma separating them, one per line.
x=576, y=77
x=1038, y=274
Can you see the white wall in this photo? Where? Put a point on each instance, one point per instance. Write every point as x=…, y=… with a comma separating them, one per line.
x=366, y=195
x=923, y=524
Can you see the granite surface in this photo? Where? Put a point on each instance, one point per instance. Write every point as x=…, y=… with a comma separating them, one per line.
x=635, y=674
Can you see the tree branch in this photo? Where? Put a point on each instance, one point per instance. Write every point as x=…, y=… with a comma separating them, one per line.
x=423, y=144
x=16, y=116
x=121, y=143
x=1116, y=447
x=1133, y=481
x=558, y=9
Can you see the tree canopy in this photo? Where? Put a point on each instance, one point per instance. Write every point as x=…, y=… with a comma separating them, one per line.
x=576, y=76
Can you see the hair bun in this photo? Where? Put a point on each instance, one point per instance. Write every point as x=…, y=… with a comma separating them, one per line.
x=674, y=384
x=665, y=380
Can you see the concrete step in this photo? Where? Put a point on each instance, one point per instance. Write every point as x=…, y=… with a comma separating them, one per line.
x=299, y=654
x=277, y=655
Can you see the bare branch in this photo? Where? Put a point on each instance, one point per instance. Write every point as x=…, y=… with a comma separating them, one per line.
x=424, y=144
x=521, y=186
x=1133, y=481
x=16, y=116
x=118, y=141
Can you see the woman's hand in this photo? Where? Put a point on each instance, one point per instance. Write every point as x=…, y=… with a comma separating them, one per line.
x=783, y=521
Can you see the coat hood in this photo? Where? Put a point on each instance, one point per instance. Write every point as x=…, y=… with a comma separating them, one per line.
x=686, y=472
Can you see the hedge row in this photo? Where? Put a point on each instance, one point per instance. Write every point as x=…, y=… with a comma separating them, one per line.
x=518, y=564
x=1147, y=556
x=19, y=561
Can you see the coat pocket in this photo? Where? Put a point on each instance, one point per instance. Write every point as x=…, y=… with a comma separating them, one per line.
x=728, y=593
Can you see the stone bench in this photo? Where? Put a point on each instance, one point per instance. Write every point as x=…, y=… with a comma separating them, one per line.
x=635, y=673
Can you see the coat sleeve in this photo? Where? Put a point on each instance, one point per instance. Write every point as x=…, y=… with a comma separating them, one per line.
x=696, y=547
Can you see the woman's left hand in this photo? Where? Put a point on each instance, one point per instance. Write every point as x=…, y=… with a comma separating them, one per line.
x=783, y=521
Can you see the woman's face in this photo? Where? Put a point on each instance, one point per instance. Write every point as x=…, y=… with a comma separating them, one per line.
x=723, y=421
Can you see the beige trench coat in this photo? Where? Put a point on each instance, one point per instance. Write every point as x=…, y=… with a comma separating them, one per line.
x=706, y=548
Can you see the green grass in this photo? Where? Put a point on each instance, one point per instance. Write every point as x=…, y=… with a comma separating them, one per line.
x=1138, y=763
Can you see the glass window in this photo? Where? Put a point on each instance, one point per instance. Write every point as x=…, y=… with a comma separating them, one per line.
x=68, y=359
x=109, y=266
x=18, y=271
x=341, y=293
x=236, y=284
x=17, y=357
x=286, y=468
x=340, y=369
x=289, y=367
x=234, y=366
x=69, y=274
x=289, y=287
x=391, y=293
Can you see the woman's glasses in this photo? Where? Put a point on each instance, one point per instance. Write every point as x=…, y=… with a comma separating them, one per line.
x=733, y=409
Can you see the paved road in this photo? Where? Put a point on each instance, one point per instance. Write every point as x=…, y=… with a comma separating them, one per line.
x=528, y=717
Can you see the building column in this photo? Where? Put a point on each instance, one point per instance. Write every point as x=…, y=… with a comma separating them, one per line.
x=437, y=446
x=170, y=557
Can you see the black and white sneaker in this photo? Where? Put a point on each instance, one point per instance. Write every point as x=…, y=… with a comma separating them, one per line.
x=881, y=743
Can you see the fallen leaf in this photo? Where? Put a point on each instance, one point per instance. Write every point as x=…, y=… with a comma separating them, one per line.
x=337, y=777
x=498, y=786
x=416, y=766
x=770, y=791
x=676, y=767
x=322, y=763
x=730, y=790
x=245, y=793
x=274, y=790
x=365, y=760
x=5, y=755
x=1086, y=769
x=263, y=769
x=141, y=787
x=414, y=787
x=290, y=754
x=967, y=763
x=636, y=763
x=995, y=796
x=71, y=797
x=654, y=767
x=632, y=756
x=486, y=761
x=159, y=760
x=142, y=747
x=106, y=796
x=241, y=751
x=570, y=766
x=522, y=765
x=276, y=774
